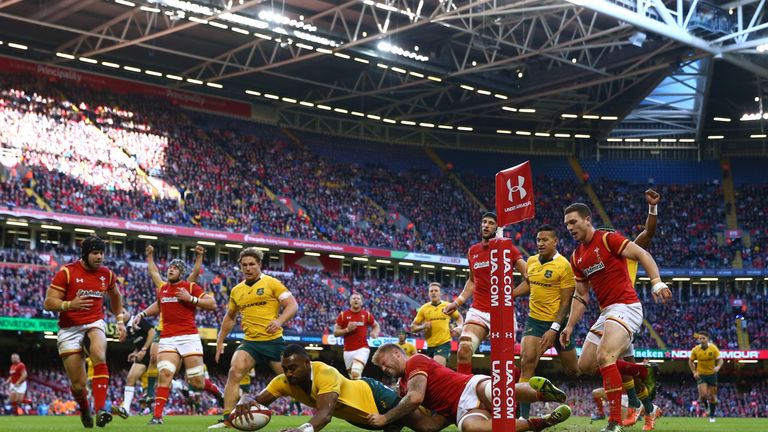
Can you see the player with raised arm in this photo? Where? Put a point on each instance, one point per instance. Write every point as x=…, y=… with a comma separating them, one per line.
x=477, y=324
x=638, y=399
x=705, y=362
x=465, y=400
x=353, y=324
x=17, y=383
x=600, y=261
x=77, y=293
x=257, y=300
x=180, y=340
x=151, y=371
x=551, y=285
x=436, y=325
x=323, y=388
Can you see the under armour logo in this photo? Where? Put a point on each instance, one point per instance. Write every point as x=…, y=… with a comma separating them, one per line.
x=519, y=188
x=79, y=280
x=509, y=335
x=494, y=335
x=580, y=258
x=102, y=278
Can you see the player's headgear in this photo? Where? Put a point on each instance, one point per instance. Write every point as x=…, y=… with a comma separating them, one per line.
x=490, y=214
x=90, y=244
x=179, y=264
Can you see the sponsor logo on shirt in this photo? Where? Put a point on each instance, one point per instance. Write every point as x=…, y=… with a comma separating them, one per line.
x=481, y=264
x=593, y=269
x=89, y=293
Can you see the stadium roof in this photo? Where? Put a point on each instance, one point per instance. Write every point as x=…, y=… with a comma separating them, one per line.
x=521, y=75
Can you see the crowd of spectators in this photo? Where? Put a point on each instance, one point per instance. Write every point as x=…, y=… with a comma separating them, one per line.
x=25, y=275
x=751, y=210
x=134, y=157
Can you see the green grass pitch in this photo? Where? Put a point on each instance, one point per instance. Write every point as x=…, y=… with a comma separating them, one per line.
x=200, y=423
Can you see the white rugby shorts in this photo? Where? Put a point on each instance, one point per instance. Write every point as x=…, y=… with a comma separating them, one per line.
x=360, y=355
x=630, y=316
x=183, y=345
x=70, y=339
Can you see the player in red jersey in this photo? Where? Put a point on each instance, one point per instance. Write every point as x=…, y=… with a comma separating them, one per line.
x=17, y=382
x=601, y=260
x=477, y=324
x=463, y=399
x=180, y=340
x=77, y=292
x=353, y=324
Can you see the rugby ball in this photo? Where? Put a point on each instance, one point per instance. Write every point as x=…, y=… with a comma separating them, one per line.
x=260, y=417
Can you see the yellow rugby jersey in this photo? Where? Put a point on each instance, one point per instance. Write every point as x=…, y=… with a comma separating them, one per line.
x=632, y=268
x=408, y=348
x=440, y=332
x=707, y=358
x=546, y=281
x=259, y=305
x=355, y=397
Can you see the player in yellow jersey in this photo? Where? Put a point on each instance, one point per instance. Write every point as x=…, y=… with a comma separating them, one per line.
x=551, y=285
x=409, y=348
x=325, y=389
x=707, y=364
x=258, y=300
x=436, y=325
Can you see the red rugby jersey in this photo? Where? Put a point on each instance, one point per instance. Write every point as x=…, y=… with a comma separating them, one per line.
x=178, y=316
x=600, y=262
x=444, y=386
x=480, y=266
x=358, y=338
x=15, y=372
x=74, y=280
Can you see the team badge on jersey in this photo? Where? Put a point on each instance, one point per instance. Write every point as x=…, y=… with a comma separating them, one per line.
x=260, y=291
x=548, y=274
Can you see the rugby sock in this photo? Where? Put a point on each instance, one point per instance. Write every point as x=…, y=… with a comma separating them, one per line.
x=712, y=406
x=525, y=408
x=128, y=397
x=647, y=404
x=632, y=369
x=212, y=388
x=535, y=423
x=82, y=400
x=15, y=408
x=599, y=405
x=99, y=383
x=160, y=400
x=465, y=368
x=612, y=386
x=629, y=389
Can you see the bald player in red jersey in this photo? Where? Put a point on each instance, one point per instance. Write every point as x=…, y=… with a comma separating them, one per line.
x=177, y=300
x=477, y=323
x=77, y=293
x=17, y=382
x=353, y=324
x=465, y=400
x=600, y=260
